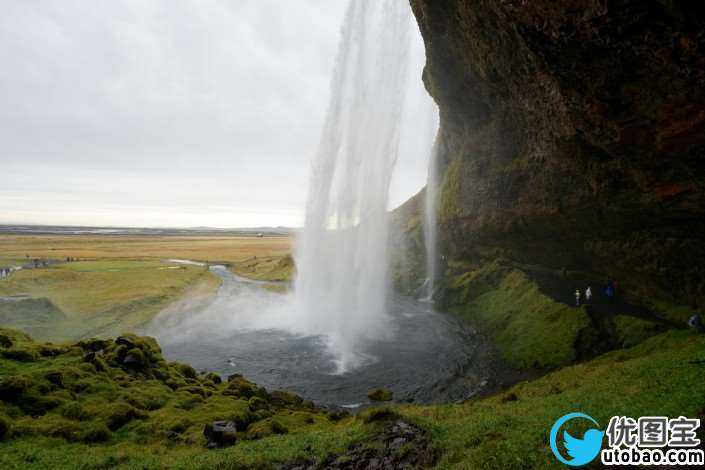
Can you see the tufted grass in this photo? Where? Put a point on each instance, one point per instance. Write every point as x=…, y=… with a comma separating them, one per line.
x=661, y=376
x=95, y=298
x=529, y=328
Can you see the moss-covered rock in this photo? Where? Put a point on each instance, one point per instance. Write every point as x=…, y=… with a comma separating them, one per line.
x=13, y=386
x=285, y=398
x=266, y=428
x=4, y=427
x=121, y=413
x=563, y=143
x=74, y=411
x=94, y=433
x=380, y=394
x=213, y=377
x=65, y=397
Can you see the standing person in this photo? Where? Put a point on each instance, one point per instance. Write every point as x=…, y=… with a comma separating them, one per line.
x=577, y=297
x=588, y=295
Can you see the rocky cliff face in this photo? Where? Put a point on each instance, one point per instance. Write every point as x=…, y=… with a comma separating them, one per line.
x=573, y=136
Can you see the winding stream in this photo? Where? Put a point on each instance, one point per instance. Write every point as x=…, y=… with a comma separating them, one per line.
x=429, y=357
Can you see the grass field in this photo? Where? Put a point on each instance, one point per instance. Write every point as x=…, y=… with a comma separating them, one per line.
x=61, y=410
x=215, y=248
x=120, y=282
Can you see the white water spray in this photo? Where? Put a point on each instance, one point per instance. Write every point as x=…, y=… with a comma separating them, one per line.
x=342, y=285
x=430, y=226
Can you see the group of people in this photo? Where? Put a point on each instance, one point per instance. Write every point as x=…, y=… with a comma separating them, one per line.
x=6, y=272
x=586, y=297
x=578, y=296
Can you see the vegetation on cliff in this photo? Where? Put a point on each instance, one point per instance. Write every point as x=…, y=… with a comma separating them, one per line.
x=118, y=403
x=103, y=403
x=572, y=137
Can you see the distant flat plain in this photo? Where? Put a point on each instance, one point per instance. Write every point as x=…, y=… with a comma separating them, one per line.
x=120, y=282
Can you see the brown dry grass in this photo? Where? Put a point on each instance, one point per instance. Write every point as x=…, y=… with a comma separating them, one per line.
x=221, y=248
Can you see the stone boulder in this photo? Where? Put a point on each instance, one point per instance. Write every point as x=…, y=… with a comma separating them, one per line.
x=220, y=434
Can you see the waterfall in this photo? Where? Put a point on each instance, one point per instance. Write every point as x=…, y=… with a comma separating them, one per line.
x=342, y=283
x=430, y=224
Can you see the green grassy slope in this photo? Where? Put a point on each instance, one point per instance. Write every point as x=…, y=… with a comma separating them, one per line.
x=71, y=407
x=60, y=407
x=662, y=376
x=529, y=328
x=95, y=298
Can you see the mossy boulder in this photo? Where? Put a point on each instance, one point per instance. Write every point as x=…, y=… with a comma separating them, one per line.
x=238, y=386
x=213, y=377
x=121, y=413
x=93, y=344
x=90, y=395
x=220, y=433
x=135, y=359
x=4, y=427
x=257, y=403
x=266, y=428
x=380, y=394
x=74, y=411
x=187, y=371
x=285, y=398
x=13, y=386
x=5, y=341
x=94, y=433
x=21, y=354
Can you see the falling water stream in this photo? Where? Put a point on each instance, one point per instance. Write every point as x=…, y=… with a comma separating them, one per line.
x=341, y=330
x=341, y=288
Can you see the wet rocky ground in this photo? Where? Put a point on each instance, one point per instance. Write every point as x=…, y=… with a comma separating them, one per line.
x=399, y=445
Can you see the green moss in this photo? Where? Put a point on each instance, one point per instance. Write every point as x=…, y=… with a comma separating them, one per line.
x=257, y=403
x=213, y=377
x=380, y=394
x=20, y=354
x=121, y=413
x=630, y=331
x=284, y=398
x=4, y=427
x=450, y=190
x=13, y=386
x=530, y=329
x=74, y=411
x=655, y=378
x=94, y=433
x=266, y=428
x=372, y=415
x=187, y=371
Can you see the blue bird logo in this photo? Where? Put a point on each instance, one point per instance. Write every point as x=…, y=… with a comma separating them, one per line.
x=582, y=451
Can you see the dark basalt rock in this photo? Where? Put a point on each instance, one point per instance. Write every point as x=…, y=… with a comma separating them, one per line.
x=573, y=136
x=127, y=342
x=400, y=445
x=93, y=344
x=220, y=434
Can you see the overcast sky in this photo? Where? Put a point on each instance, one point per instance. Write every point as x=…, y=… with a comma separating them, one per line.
x=171, y=113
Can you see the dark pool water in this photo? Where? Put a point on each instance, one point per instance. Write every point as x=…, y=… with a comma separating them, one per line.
x=430, y=357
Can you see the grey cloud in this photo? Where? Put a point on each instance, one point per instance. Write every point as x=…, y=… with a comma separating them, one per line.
x=109, y=106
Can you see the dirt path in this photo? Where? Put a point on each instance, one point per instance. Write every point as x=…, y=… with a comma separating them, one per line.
x=561, y=288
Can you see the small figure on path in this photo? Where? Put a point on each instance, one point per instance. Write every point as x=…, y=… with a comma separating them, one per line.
x=696, y=323
x=577, y=297
x=588, y=295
